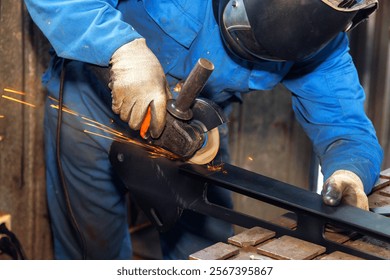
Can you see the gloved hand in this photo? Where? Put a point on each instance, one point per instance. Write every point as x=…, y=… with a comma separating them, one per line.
x=137, y=81
x=346, y=186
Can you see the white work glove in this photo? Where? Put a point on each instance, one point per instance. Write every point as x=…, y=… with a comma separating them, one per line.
x=137, y=81
x=346, y=186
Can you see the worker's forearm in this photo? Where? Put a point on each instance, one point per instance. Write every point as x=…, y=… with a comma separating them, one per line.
x=329, y=104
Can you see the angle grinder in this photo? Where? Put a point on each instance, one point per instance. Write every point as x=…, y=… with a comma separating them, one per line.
x=191, y=129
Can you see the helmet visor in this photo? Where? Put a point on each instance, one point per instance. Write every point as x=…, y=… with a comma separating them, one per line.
x=238, y=33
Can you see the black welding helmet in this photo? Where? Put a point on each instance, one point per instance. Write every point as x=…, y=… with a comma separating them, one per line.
x=286, y=30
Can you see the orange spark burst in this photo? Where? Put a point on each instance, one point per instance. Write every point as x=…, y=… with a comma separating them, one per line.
x=2, y=116
x=118, y=136
x=102, y=126
x=52, y=98
x=66, y=110
x=17, y=100
x=89, y=121
x=14, y=91
x=215, y=167
x=100, y=135
x=153, y=151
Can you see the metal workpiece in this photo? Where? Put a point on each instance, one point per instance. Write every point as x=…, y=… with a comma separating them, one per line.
x=312, y=216
x=165, y=188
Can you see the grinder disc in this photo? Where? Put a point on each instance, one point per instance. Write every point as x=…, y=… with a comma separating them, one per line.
x=208, y=152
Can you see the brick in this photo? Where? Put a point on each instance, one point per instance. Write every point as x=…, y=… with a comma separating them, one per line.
x=251, y=237
x=337, y=255
x=290, y=248
x=218, y=251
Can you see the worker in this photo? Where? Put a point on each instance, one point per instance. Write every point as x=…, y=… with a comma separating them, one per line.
x=150, y=46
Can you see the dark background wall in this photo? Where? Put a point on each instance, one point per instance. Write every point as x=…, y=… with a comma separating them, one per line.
x=264, y=135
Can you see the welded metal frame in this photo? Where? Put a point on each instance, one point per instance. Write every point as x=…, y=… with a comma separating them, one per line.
x=164, y=189
x=312, y=215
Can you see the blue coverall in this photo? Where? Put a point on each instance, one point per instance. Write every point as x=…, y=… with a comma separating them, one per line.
x=327, y=99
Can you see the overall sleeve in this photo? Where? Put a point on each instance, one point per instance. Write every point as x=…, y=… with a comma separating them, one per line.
x=328, y=101
x=85, y=30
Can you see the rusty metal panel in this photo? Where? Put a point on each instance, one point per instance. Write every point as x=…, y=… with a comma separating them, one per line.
x=265, y=138
x=36, y=57
x=23, y=54
x=11, y=73
x=370, y=48
x=379, y=97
